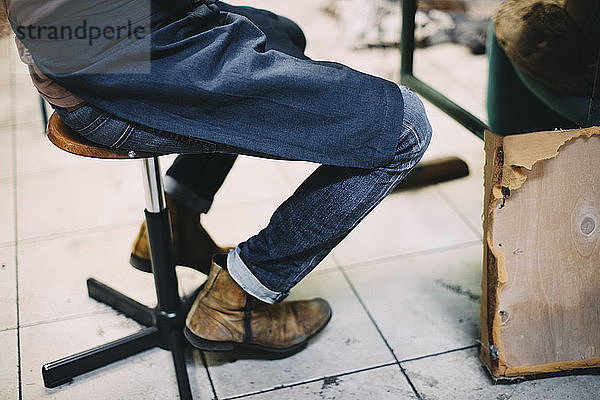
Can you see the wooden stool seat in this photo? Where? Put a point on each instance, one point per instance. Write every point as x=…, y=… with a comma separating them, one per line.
x=72, y=142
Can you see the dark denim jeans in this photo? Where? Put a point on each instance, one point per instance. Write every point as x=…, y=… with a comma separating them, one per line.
x=308, y=225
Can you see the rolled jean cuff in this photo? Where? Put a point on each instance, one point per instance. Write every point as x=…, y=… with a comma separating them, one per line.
x=246, y=279
x=185, y=195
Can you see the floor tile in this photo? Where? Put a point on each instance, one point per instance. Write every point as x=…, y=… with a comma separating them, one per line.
x=296, y=172
x=252, y=181
x=8, y=288
x=464, y=82
x=380, y=383
x=6, y=155
x=449, y=137
x=465, y=195
x=5, y=47
x=404, y=223
x=148, y=375
x=20, y=70
x=425, y=304
x=36, y=154
x=7, y=103
x=348, y=343
x=189, y=280
x=460, y=375
x=233, y=225
x=7, y=212
x=59, y=202
x=6, y=106
x=9, y=360
x=28, y=100
x=53, y=274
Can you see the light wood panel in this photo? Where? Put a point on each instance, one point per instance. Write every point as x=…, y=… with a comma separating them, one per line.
x=542, y=283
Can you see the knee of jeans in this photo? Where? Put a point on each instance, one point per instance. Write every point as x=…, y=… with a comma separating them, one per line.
x=416, y=129
x=415, y=139
x=424, y=132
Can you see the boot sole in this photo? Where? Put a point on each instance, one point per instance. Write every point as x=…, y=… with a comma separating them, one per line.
x=211, y=345
x=144, y=265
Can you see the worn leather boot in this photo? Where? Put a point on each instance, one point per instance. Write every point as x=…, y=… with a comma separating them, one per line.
x=224, y=316
x=192, y=245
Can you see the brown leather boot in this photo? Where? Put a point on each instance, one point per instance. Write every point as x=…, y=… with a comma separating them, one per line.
x=192, y=245
x=223, y=316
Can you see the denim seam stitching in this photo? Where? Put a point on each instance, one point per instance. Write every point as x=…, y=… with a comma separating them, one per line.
x=90, y=124
x=99, y=125
x=124, y=137
x=412, y=130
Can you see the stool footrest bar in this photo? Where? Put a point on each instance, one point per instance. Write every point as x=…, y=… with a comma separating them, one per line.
x=64, y=370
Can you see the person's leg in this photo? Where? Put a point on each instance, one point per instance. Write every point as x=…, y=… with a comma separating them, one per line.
x=190, y=186
x=233, y=307
x=322, y=211
x=283, y=327
x=282, y=34
x=286, y=107
x=241, y=301
x=193, y=179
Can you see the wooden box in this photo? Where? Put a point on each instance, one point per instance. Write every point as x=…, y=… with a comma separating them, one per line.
x=540, y=308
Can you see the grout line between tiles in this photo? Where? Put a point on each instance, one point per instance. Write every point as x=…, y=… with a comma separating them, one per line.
x=70, y=318
x=4, y=245
x=53, y=172
x=353, y=372
x=15, y=124
x=452, y=205
x=13, y=113
x=210, y=380
x=78, y=232
x=364, y=306
x=6, y=179
x=419, y=253
x=309, y=381
x=441, y=353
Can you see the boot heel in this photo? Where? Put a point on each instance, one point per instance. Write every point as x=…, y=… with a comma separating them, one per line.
x=207, y=345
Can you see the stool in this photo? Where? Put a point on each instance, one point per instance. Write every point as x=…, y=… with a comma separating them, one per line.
x=164, y=324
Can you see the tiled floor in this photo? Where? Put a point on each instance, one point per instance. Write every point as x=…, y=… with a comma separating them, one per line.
x=400, y=328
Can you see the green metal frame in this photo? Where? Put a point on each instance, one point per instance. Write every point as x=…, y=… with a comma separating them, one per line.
x=456, y=112
x=594, y=110
x=407, y=43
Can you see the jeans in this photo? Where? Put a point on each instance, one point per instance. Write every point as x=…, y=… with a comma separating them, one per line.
x=194, y=179
x=309, y=224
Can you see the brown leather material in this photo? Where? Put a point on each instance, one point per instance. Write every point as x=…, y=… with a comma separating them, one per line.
x=70, y=141
x=541, y=38
x=76, y=107
x=219, y=311
x=192, y=245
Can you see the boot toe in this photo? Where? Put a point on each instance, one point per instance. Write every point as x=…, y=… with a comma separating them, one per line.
x=314, y=315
